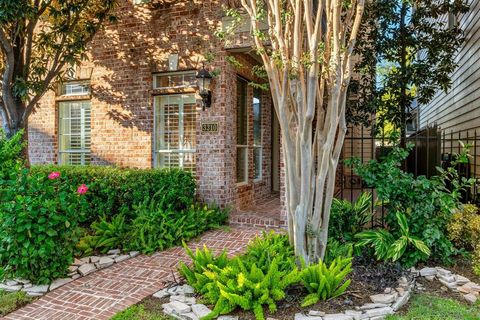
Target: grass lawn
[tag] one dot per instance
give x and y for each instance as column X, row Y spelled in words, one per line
column 428, row 307
column 11, row 301
column 139, row 312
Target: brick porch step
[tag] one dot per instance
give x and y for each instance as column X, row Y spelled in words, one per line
column 104, row 293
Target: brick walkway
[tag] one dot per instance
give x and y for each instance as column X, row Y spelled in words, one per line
column 104, row 293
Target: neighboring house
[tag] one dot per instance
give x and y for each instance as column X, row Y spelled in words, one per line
column 459, row 108
column 457, row 112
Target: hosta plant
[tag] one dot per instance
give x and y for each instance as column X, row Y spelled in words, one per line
column 324, row 282
column 387, row 247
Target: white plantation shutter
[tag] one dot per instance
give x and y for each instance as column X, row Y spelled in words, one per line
column 175, row 131
column 75, row 132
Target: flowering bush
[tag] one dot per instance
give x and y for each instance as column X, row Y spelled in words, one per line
column 39, row 221
column 39, row 217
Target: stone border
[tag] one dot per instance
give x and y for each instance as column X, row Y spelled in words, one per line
column 454, row 282
column 183, row 304
column 80, row 268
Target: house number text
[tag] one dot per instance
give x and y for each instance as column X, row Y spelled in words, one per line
column 210, row 127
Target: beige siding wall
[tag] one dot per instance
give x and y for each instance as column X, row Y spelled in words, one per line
column 459, row 109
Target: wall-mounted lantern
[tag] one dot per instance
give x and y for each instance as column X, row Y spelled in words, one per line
column 204, row 79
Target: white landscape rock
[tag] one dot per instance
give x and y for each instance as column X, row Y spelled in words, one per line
column 161, row 294
column 379, row 312
column 367, row 306
column 428, row 272
column 113, row 251
column 176, row 307
column 301, row 316
column 43, row 288
column 86, row 268
column 58, row 283
column 227, row 318
column 121, row 258
column 472, row 298
column 183, row 298
column 12, row 288
column 357, row 315
column 461, row 280
column 337, row 316
column 401, row 301
column 104, row 262
column 200, row 310
column 133, row 253
column 316, row 313
column 189, row 316
column 384, row 298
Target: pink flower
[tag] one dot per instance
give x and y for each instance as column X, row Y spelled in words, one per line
column 54, row 175
column 82, row 189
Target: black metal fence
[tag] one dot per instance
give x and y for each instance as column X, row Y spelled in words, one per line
column 432, row 148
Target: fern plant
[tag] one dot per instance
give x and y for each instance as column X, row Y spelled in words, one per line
column 108, row 234
column 324, row 282
column 263, row 249
column 203, row 260
column 386, row 247
column 248, row 287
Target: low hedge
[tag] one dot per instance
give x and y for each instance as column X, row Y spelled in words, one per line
column 113, row 191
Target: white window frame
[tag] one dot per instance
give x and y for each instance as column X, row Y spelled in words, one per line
column 84, row 151
column 243, row 147
column 156, row 149
column 255, row 146
column 174, row 73
column 64, row 92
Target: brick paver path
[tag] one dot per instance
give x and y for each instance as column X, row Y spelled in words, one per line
column 104, row 293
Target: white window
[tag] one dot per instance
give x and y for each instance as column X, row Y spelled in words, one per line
column 74, row 132
column 175, row 80
column 257, row 136
column 175, row 131
column 75, row 88
column 242, row 132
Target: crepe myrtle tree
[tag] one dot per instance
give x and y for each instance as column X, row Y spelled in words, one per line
column 307, row 53
column 39, row 41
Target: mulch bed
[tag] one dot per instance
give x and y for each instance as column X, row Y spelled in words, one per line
column 368, row 277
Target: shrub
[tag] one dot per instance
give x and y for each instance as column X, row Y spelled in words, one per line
column 10, row 158
column 39, row 220
column 115, row 190
column 387, row 247
column 324, row 282
column 464, row 231
column 428, row 203
column 348, row 218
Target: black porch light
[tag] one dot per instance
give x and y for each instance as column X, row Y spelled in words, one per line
column 204, row 79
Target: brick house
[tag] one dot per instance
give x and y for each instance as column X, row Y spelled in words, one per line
column 135, row 103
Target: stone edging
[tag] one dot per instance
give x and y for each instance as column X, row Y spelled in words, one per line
column 183, row 304
column 80, row 268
